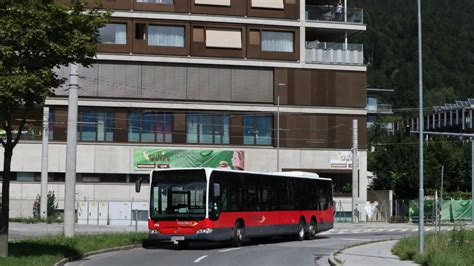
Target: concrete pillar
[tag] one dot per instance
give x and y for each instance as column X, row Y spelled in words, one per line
column 302, row 32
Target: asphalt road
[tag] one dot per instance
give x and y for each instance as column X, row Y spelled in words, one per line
column 276, row 251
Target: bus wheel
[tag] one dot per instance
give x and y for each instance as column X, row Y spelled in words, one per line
column 183, row 244
column 300, row 232
column 312, row 230
column 238, row 234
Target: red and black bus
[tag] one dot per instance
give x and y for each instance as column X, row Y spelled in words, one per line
column 204, row 204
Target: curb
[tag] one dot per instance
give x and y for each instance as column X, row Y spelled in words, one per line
column 333, row 261
column 70, row 259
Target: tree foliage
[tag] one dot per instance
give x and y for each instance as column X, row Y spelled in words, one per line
column 391, row 47
column 394, row 160
column 36, row 36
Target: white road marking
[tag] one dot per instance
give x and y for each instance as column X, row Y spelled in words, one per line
column 200, row 258
column 229, row 249
column 414, row 230
column 403, row 230
column 427, row 229
column 350, row 239
column 391, row 230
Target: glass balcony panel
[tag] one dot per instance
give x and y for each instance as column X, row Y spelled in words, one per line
column 334, row 53
column 333, row 14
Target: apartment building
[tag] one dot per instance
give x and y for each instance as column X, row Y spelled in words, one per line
column 189, row 83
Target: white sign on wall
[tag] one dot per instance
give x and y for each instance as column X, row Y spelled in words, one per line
column 342, row 159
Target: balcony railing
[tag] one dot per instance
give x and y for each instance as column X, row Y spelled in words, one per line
column 379, row 108
column 384, row 108
column 331, row 13
column 334, row 53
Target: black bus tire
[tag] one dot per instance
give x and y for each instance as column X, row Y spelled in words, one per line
column 300, row 233
column 183, row 244
column 238, row 234
column 312, row 230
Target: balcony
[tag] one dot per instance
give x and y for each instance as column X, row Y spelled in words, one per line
column 379, row 109
column 334, row 14
column 334, row 53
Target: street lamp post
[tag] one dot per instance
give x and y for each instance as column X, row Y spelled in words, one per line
column 278, row 124
column 421, row 218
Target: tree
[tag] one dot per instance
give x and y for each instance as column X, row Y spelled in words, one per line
column 36, row 36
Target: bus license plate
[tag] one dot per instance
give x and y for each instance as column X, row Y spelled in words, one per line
column 177, row 238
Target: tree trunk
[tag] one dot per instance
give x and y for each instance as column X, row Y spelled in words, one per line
column 4, row 216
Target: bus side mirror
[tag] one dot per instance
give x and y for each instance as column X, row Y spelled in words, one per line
column 217, row 190
column 138, row 184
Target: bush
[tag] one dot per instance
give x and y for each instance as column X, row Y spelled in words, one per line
column 446, row 248
column 52, row 207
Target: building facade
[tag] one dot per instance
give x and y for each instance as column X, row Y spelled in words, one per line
column 181, row 83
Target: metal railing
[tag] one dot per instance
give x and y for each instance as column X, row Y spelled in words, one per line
column 384, row 108
column 334, row 53
column 332, row 13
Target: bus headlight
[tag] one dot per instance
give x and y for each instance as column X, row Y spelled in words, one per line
column 204, row 231
column 154, row 232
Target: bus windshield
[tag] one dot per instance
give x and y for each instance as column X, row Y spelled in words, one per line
column 179, row 194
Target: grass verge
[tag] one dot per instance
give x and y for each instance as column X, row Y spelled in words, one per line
column 447, row 248
column 49, row 250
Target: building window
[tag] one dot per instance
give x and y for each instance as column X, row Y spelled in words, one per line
column 218, row 38
column 372, row 104
column 258, row 130
column 166, row 36
column 114, row 33
column 150, row 127
column 207, row 128
column 51, row 118
column 213, row 2
column 273, row 4
column 95, row 126
column 277, row 41
column 168, row 2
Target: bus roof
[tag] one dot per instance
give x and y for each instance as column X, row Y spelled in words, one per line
column 295, row 174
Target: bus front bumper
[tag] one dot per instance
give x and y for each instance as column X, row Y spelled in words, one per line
column 217, row 234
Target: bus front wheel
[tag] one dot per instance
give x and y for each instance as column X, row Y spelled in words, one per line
column 300, row 232
column 238, row 234
column 183, row 244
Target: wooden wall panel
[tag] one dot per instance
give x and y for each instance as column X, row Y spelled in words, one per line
column 322, row 87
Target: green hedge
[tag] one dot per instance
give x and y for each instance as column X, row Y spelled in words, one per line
column 49, row 250
column 442, row 249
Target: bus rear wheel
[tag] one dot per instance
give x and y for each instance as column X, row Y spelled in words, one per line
column 238, row 234
column 312, row 230
column 300, row 233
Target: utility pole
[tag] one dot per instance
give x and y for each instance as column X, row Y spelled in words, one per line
column 71, row 152
column 44, row 165
column 472, row 181
column 441, row 198
column 421, row 219
column 278, row 130
column 355, row 170
column 278, row 125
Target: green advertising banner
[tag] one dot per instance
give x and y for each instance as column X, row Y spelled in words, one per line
column 451, row 210
column 150, row 158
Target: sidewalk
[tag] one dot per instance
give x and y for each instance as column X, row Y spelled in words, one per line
column 372, row 254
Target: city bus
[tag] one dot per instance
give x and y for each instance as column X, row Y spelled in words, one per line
column 205, row 204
